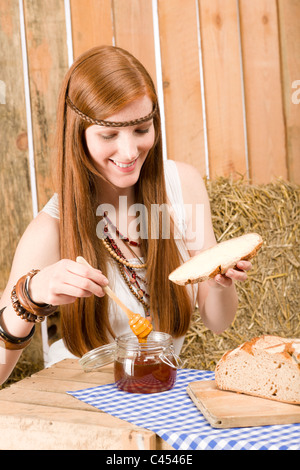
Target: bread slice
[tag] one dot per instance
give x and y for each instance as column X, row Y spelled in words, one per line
column 267, row 366
column 217, row 259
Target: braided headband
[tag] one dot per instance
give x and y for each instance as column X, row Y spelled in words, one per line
column 111, row 123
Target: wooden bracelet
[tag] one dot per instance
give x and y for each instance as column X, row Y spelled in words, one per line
column 12, row 342
column 37, row 309
column 23, row 305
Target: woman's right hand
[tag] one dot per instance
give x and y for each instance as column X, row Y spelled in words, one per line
column 65, row 281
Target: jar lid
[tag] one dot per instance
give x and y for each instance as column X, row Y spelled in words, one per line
column 98, row 357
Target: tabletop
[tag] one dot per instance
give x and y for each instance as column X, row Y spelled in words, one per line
column 37, row 413
column 63, row 407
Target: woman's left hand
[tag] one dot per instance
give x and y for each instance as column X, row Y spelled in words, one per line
column 234, row 274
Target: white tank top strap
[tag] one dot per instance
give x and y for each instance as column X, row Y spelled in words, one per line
column 52, row 207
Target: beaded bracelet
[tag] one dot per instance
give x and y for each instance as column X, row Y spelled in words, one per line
column 24, row 306
column 12, row 342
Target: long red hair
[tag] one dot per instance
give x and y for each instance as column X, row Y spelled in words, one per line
column 100, row 83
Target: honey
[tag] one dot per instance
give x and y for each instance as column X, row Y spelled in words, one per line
column 141, row 327
column 144, row 375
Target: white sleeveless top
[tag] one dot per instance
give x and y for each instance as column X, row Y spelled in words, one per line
column 119, row 321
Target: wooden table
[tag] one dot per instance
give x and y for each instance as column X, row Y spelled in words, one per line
column 37, row 413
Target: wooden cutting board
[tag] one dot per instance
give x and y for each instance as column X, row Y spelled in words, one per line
column 224, row 409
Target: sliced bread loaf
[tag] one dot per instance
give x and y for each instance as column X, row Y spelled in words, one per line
column 267, row 366
column 217, row 259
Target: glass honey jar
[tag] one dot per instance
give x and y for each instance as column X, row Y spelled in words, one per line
column 149, row 367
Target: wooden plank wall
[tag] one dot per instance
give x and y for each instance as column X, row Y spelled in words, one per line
column 224, row 69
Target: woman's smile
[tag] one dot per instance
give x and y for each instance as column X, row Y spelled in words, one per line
column 126, row 167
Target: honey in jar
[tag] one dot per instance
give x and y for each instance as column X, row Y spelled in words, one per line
column 149, row 367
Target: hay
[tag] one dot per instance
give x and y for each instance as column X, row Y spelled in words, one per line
column 269, row 299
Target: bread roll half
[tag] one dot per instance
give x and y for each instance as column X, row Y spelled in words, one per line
column 217, row 259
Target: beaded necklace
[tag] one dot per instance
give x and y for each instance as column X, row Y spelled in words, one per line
column 127, row 269
column 125, row 239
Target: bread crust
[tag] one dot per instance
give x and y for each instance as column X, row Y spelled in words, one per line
column 266, row 366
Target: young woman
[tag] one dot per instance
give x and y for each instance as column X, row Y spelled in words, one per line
column 111, row 184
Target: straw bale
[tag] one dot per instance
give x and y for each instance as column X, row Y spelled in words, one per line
column 269, row 299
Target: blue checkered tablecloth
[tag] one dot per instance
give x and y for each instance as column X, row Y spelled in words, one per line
column 174, row 417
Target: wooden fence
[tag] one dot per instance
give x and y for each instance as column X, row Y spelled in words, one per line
column 227, row 74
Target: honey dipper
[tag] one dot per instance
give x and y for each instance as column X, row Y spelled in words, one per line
column 140, row 326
